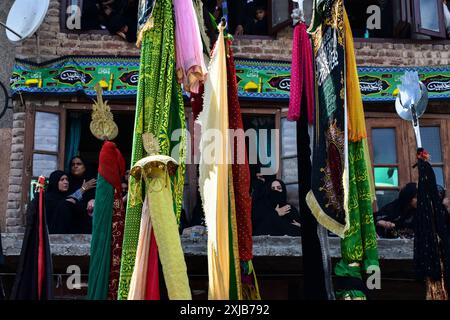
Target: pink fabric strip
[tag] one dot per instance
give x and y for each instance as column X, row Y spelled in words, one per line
column 302, row 81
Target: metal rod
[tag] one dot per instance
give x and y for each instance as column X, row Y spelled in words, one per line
column 8, row 28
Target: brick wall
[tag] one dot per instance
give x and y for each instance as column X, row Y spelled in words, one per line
column 367, row 53
column 14, row 211
column 54, row 43
column 6, row 64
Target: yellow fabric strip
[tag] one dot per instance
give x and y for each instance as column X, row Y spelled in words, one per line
column 356, row 121
column 369, row 169
column 165, row 227
column 213, row 172
column 138, row 283
column 323, row 218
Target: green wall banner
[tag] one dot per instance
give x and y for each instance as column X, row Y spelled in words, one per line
column 257, row 79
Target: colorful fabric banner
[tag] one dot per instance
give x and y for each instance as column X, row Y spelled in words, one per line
column 302, row 77
column 103, row 265
column 159, row 112
column 359, row 246
column 241, row 187
column 257, row 79
column 159, row 217
column 214, row 175
column 328, row 198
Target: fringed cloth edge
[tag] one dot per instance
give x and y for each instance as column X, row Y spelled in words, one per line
column 323, row 218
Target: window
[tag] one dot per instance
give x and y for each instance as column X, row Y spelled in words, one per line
column 435, row 139
column 431, row 141
column 399, row 19
column 386, row 134
column 385, row 164
column 257, row 17
column 392, row 144
column 111, row 16
column 46, row 143
column 429, row 18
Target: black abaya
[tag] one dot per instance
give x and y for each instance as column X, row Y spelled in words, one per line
column 26, row 282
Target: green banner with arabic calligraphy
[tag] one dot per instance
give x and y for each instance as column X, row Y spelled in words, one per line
column 257, row 79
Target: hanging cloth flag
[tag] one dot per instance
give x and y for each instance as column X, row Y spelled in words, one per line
column 159, row 114
column 34, row 276
column 302, row 76
column 191, row 69
column 214, row 173
column 158, row 213
column 241, row 185
column 145, row 285
column 328, row 198
column 431, row 234
column 103, row 265
column 359, row 246
column 316, row 257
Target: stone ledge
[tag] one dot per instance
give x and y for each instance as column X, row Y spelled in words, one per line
column 263, row 246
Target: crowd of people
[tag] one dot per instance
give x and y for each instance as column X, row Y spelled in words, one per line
column 70, row 198
column 70, row 201
column 244, row 16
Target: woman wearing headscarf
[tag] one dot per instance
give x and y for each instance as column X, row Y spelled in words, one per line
column 396, row 218
column 274, row 215
column 56, row 204
column 62, row 207
column 82, row 184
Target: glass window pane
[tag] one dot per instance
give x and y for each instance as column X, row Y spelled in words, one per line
column 439, row 176
column 44, row 164
column 384, row 146
column 429, row 16
column 431, row 141
column 288, row 138
column 46, row 131
column 386, row 177
column 385, row 196
column 280, row 11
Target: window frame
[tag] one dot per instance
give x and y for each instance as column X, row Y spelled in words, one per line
column 444, row 125
column 417, row 26
column 388, row 121
column 409, row 18
column 273, row 29
column 63, row 16
column 29, row 151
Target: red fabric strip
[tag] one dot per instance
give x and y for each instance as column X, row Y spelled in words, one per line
column 41, row 238
column 118, row 225
column 152, row 292
column 240, row 169
column 111, row 164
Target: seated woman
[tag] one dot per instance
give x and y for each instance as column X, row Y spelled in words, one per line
column 82, row 184
column 396, row 219
column 63, row 214
column 273, row 215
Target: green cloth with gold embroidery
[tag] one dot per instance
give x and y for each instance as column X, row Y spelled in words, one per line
column 159, row 111
column 360, row 242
